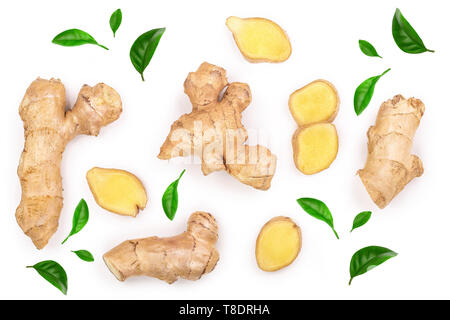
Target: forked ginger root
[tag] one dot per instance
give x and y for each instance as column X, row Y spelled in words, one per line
column 188, row 255
column 315, row 142
column 118, row 191
column 48, row 128
column 214, row 132
column 259, row 39
column 278, row 244
column 390, row 165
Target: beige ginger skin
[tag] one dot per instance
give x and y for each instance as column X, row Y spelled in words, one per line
column 390, row 166
column 48, row 128
column 214, row 131
column 188, row 255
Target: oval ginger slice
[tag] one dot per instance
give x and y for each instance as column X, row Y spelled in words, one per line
column 315, row 147
column 278, row 244
column 118, row 191
column 259, row 39
column 315, row 102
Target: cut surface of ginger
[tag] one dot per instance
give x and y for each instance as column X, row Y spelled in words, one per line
column 117, row 191
column 278, row 244
column 315, row 102
column 315, row 147
column 259, row 39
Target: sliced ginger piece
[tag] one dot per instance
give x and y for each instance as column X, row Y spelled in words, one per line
column 315, row 102
column 315, row 147
column 118, row 191
column 278, row 244
column 259, row 39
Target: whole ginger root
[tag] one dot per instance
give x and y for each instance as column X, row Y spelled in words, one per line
column 48, row 128
column 214, row 132
column 188, row 255
column 390, row 165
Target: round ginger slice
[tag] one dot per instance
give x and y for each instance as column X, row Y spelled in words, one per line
column 259, row 39
column 278, row 244
column 315, row 102
column 315, row 147
column 117, row 191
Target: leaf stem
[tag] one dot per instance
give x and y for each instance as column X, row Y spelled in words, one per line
column 142, row 76
column 335, row 233
column 66, row 239
column 430, row 50
column 102, row 46
column 350, row 282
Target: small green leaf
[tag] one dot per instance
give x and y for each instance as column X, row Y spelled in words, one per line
column 405, row 36
column 75, row 37
column 84, row 255
column 364, row 93
column 143, row 49
column 115, row 21
column 368, row 49
column 170, row 198
column 318, row 210
column 52, row 272
column 368, row 258
column 361, row 219
column 80, row 218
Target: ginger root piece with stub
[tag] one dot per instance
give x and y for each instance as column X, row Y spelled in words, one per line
column 214, row 132
column 117, row 191
column 188, row 255
column 260, row 39
column 278, row 244
column 390, row 166
column 315, row 143
column 48, row 128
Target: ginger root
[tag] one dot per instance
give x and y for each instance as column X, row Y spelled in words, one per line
column 390, row 165
column 188, row 255
column 48, row 128
column 118, row 191
column 259, row 39
column 315, row 142
column 213, row 130
column 278, row 244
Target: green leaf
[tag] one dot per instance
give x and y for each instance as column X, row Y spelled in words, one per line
column 84, row 255
column 318, row 210
column 361, row 219
column 405, row 36
column 52, row 272
column 115, row 21
column 368, row 258
column 364, row 93
column 143, row 49
column 75, row 37
column 80, row 218
column 170, row 198
column 368, row 49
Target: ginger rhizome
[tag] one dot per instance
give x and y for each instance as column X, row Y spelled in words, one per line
column 390, row 166
column 259, row 39
column 118, row 191
column 278, row 244
column 188, row 255
column 213, row 130
column 48, row 128
column 315, row 142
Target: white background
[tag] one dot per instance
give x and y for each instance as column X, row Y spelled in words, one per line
column 324, row 37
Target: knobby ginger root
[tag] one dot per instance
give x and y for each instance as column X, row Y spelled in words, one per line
column 390, row 165
column 118, row 191
column 259, row 39
column 278, row 244
column 188, row 255
column 213, row 130
column 315, row 142
column 48, row 128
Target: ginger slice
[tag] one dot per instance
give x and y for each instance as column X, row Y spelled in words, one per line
column 315, row 147
column 278, row 244
column 315, row 102
column 118, row 191
column 259, row 39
